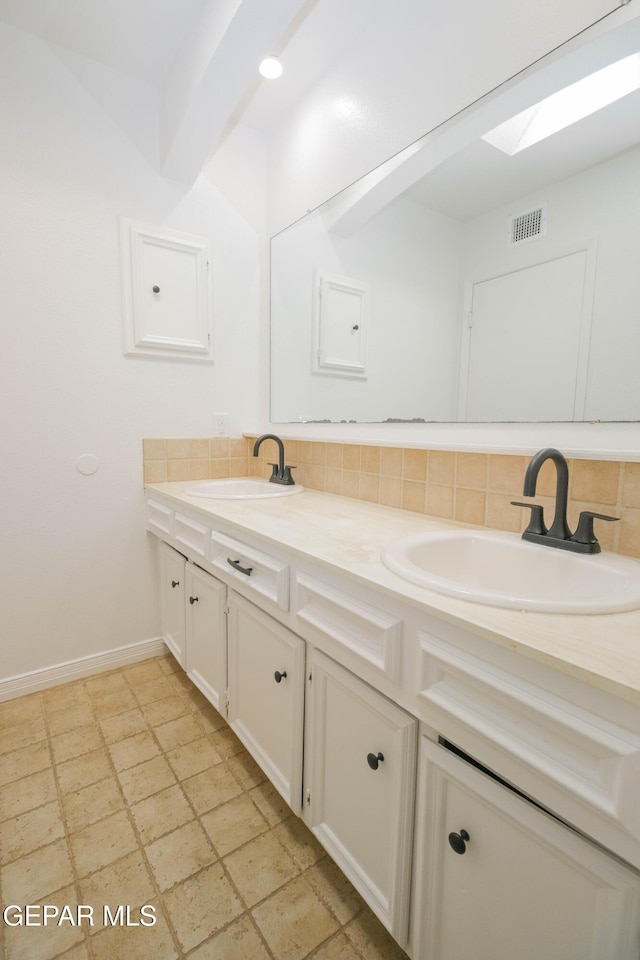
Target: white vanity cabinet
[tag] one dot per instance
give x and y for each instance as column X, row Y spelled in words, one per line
column 266, row 694
column 495, row 876
column 360, row 753
column 194, row 627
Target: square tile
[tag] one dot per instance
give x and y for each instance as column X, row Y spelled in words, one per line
column 194, row 757
column 157, row 689
column 135, row 943
column 308, row 922
column 101, row 843
column 145, row 779
column 177, row 732
column 113, row 703
column 18, row 796
column 259, row 868
column 126, row 881
column 161, row 711
column 68, row 746
column 179, row 854
column 30, row 830
column 202, row 905
column 23, row 762
column 42, row 943
column 270, row 804
column 335, row 891
column 371, row 939
column 78, row 773
column 17, row 734
column 38, row 874
column 127, row 753
column 92, row 803
column 61, row 721
column 123, row 725
column 161, row 813
column 211, row 788
column 233, row 824
column 299, row 842
column 240, row 941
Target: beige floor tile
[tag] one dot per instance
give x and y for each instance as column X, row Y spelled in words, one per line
column 334, row 890
column 157, row 689
column 21, row 795
column 38, row 874
column 65, row 697
column 371, row 939
column 211, row 788
column 101, row 843
column 161, row 711
column 21, row 710
column 15, row 735
column 61, row 721
column 299, row 842
column 44, row 942
column 161, row 813
column 179, row 854
column 27, row 760
column 105, row 683
column 209, row 719
column 110, row 704
column 145, row 779
column 31, row 830
column 192, row 758
column 75, row 774
column 339, row 948
column 233, row 824
column 270, row 804
column 92, row 803
column 169, row 664
column 246, row 771
column 135, row 943
column 177, row 732
column 259, row 868
column 123, row 725
column 127, row 881
column 202, row 905
column 127, row 753
column 143, row 672
column 226, row 743
column 293, row 921
column 240, row 941
column 75, row 743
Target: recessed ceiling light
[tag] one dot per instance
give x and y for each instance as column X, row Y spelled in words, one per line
column 271, row 68
column 567, row 106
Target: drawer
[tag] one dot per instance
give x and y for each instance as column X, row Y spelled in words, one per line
column 159, row 518
column 579, row 762
column 191, row 535
column 251, row 570
column 374, row 635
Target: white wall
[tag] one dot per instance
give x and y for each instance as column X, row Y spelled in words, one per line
column 77, row 576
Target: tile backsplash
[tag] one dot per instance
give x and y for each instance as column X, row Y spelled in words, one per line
column 468, row 487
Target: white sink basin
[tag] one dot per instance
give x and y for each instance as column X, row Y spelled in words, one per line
column 502, row 570
column 241, row 488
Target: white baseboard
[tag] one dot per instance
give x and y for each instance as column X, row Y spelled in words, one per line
column 82, row 667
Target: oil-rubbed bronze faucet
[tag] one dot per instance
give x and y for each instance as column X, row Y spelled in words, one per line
column 280, row 473
column 558, row 535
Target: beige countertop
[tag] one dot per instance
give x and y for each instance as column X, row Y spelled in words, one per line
column 348, row 536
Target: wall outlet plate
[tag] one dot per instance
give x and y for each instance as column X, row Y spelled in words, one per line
column 221, row 424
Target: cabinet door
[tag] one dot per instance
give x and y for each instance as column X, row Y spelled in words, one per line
column 361, row 784
column 172, row 593
column 520, row 884
column 266, row 694
column 206, row 633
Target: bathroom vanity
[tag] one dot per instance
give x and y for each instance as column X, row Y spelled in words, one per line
column 474, row 771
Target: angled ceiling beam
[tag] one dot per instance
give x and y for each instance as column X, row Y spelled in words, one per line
column 217, row 63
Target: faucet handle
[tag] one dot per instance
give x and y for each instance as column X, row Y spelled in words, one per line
column 286, row 477
column 274, row 470
column 584, row 531
column 536, row 523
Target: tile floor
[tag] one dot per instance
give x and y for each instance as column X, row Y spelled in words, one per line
column 129, row 788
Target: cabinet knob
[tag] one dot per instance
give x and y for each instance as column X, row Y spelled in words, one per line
column 193, row 600
column 279, row 676
column 373, row 759
column 458, row 841
column 155, row 288
column 175, row 583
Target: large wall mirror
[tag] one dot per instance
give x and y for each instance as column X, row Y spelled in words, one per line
column 490, row 272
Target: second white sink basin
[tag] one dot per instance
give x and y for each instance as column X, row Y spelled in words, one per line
column 502, row 570
column 241, row 488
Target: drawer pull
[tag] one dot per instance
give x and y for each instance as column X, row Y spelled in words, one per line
column 237, row 565
column 458, row 841
column 175, row 583
column 373, row 759
column 279, row 676
column 193, row 600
